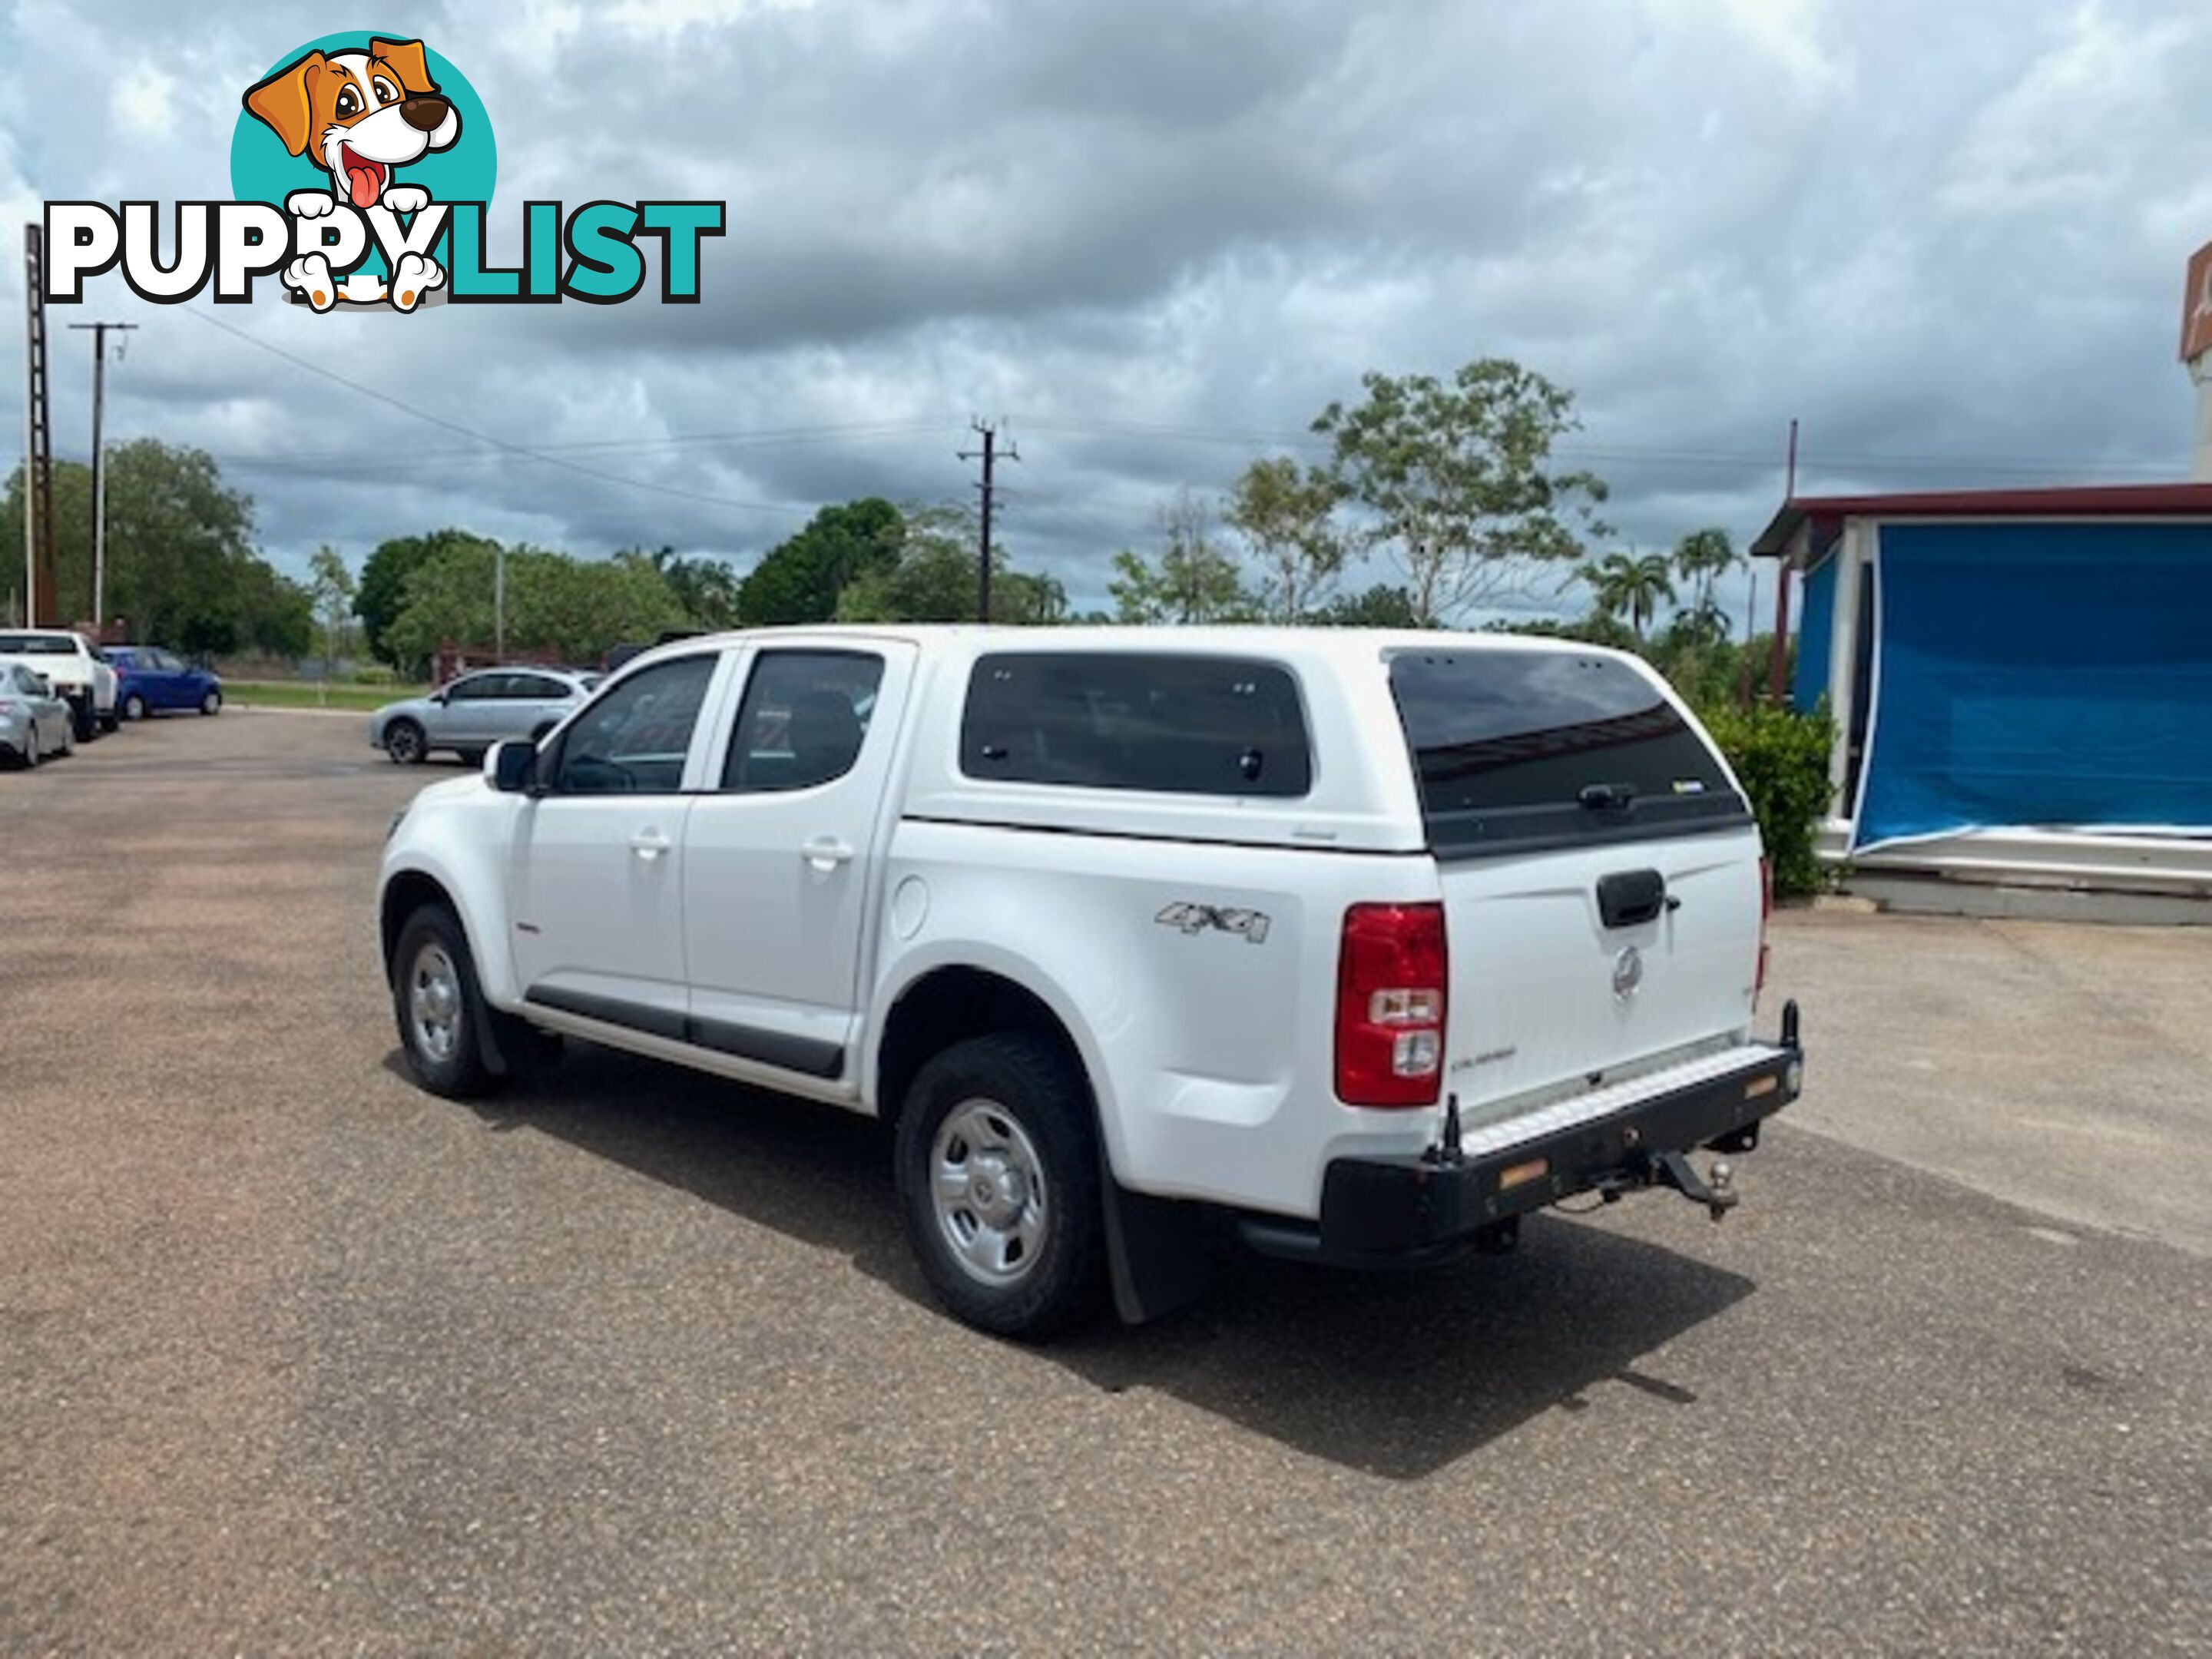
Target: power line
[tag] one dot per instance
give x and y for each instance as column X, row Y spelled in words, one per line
column 486, row 438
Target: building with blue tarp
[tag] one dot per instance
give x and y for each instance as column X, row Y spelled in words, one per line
column 2022, row 680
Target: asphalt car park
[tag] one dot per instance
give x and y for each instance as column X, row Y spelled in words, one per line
column 294, row 1357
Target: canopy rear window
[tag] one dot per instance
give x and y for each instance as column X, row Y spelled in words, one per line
column 1183, row 724
column 1520, row 749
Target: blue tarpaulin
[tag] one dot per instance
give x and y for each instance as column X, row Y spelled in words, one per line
column 1814, row 633
column 2039, row 674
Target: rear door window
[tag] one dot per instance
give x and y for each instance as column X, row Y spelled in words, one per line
column 1515, row 750
column 1180, row 724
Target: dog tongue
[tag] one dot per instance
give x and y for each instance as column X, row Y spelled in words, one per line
column 364, row 187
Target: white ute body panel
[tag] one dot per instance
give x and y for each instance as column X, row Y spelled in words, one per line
column 788, row 926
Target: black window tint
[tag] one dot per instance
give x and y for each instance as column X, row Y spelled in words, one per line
column 633, row 740
column 804, row 715
column 1516, row 746
column 1184, row 725
column 473, row 688
column 39, row 645
column 535, row 687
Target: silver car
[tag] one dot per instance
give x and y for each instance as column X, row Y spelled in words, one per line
column 471, row 712
column 33, row 721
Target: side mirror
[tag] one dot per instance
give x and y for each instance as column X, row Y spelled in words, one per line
column 511, row 767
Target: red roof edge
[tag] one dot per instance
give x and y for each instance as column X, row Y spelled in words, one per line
column 2068, row 501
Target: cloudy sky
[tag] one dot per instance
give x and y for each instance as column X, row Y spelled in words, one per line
column 1155, row 237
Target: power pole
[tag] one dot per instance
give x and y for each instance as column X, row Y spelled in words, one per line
column 989, row 454
column 1776, row 662
column 38, row 446
column 99, row 333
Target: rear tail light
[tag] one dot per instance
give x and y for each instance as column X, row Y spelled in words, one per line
column 1766, row 910
column 1390, row 980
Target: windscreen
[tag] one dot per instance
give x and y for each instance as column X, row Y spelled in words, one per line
column 1515, row 750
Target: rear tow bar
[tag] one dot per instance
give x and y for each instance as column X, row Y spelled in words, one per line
column 1716, row 1191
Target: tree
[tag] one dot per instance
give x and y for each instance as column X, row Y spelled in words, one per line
column 556, row 605
column 1195, row 580
column 330, row 592
column 1701, row 559
column 1634, row 588
column 383, row 590
column 1456, row 479
column 1287, row 513
column 800, row 581
column 1380, row 606
column 181, row 567
column 931, row 578
column 706, row 589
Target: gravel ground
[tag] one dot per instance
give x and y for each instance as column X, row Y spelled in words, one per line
column 294, row 1358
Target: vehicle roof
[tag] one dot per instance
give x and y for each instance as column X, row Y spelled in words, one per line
column 1333, row 645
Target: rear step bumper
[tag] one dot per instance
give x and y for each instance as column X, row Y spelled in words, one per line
column 1388, row 1212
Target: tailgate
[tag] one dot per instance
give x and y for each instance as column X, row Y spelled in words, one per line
column 1547, row 998
column 1600, row 869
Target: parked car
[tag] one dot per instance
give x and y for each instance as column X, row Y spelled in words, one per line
column 75, row 670
column 468, row 714
column 34, row 722
column 1358, row 945
column 149, row 680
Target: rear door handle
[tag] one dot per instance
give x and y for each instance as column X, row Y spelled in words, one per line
column 827, row 851
column 649, row 844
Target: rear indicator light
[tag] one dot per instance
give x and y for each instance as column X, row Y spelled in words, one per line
column 1390, row 1003
column 1766, row 910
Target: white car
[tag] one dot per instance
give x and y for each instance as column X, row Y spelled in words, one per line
column 1362, row 944
column 34, row 722
column 76, row 670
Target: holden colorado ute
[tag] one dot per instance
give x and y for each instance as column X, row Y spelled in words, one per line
column 1357, row 945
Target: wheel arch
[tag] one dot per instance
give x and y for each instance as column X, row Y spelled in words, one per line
column 967, row 994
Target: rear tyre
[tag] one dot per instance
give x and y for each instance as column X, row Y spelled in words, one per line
column 31, row 747
column 109, row 723
column 211, row 703
column 403, row 741
column 998, row 1175
column 134, row 707
column 437, row 1003
column 544, row 728
column 82, row 725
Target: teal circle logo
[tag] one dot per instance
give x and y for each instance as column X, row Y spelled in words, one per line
column 292, row 123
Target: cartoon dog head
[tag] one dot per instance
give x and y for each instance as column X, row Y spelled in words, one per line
column 361, row 114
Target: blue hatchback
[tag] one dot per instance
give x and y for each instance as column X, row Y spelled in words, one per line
column 147, row 680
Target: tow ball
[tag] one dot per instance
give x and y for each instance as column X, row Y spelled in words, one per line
column 1716, row 1193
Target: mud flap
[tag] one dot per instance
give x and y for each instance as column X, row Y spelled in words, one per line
column 1159, row 1252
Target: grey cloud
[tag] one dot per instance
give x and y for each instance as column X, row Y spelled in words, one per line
column 1160, row 236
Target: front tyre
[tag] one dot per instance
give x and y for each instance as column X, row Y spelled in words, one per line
column 997, row 1175
column 405, row 743
column 436, row 1001
column 212, row 702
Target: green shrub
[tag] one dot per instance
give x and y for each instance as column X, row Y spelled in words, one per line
column 375, row 673
column 1781, row 756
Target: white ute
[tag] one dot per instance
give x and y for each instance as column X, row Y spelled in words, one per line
column 1356, row 945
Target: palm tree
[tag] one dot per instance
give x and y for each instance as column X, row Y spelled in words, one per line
column 1634, row 588
column 1701, row 559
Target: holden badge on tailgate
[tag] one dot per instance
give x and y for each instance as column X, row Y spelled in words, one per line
column 1627, row 972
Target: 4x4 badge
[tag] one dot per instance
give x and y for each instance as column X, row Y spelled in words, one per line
column 1193, row 918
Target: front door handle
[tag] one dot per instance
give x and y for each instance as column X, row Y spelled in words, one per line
column 827, row 851
column 649, row 844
